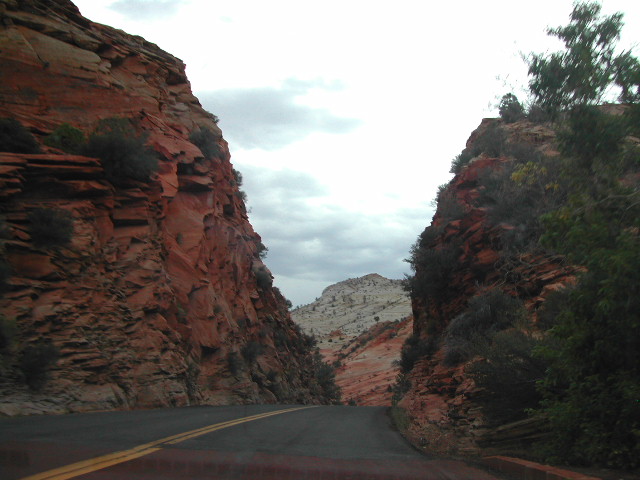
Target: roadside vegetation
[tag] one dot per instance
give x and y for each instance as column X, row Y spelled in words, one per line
column 579, row 366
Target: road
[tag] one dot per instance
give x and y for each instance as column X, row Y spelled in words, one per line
column 265, row 442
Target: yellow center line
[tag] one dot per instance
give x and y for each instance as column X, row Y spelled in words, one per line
column 104, row 461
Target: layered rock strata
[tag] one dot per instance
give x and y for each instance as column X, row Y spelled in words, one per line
column 441, row 400
column 161, row 297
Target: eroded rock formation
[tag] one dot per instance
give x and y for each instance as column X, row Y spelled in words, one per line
column 161, row 297
column 442, row 398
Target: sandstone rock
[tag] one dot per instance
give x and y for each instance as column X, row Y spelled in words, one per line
column 145, row 301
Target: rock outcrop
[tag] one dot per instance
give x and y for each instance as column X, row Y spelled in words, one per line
column 442, row 398
column 367, row 366
column 348, row 308
column 161, row 297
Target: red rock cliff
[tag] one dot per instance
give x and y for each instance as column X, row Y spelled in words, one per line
column 441, row 400
column 161, row 297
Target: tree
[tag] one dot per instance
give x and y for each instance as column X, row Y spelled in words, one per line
column 586, row 71
column 510, row 108
column 591, row 390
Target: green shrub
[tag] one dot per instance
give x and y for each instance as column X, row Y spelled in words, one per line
column 233, row 363
column 121, row 151
column 508, row 375
column 35, row 362
column 433, row 269
column 460, row 161
column 486, row 314
column 251, row 350
column 510, row 108
column 326, row 378
column 50, row 227
column 415, row 348
column 5, row 272
column 263, row 278
column 8, row 333
column 66, row 138
column 15, row 138
column 207, row 142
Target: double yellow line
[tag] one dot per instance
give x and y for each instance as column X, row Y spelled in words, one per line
column 98, row 463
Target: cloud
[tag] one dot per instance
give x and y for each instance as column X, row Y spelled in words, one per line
column 315, row 243
column 270, row 118
column 146, row 9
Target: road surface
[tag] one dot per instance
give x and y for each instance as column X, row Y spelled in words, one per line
column 265, row 442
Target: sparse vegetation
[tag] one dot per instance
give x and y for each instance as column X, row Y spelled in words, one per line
column 486, row 314
column 66, row 138
column 207, row 142
column 510, row 108
column 50, row 227
column 35, row 362
column 121, row 151
column 15, row 138
column 251, row 351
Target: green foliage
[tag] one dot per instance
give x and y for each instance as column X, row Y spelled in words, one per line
column 486, row 314
column 121, row 151
column 35, row 361
column 433, row 268
column 591, row 391
column 325, row 375
column 510, row 108
column 66, row 138
column 207, row 142
column 460, row 161
column 263, row 278
column 584, row 73
column 415, row 348
column 50, row 227
column 251, row 351
column 8, row 333
column 233, row 363
column 15, row 138
column 508, row 375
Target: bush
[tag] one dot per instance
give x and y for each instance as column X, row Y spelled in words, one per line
column 121, row 151
column 8, row 333
column 413, row 349
column 251, row 350
column 35, row 361
column 510, row 108
column 460, row 161
column 233, row 363
column 66, row 138
column 50, row 227
column 263, row 278
column 433, row 269
column 15, row 138
column 207, row 142
column 486, row 314
column 508, row 375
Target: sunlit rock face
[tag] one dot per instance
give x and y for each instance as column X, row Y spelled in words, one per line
column 161, row 297
column 441, row 399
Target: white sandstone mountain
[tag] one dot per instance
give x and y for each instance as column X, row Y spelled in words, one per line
column 352, row 306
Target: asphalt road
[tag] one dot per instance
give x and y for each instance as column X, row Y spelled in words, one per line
column 236, row 442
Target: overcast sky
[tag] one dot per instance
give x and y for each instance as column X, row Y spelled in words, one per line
column 343, row 116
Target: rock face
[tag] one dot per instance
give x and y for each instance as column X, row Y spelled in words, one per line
column 367, row 366
column 348, row 308
column 441, row 399
column 361, row 324
column 161, row 297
